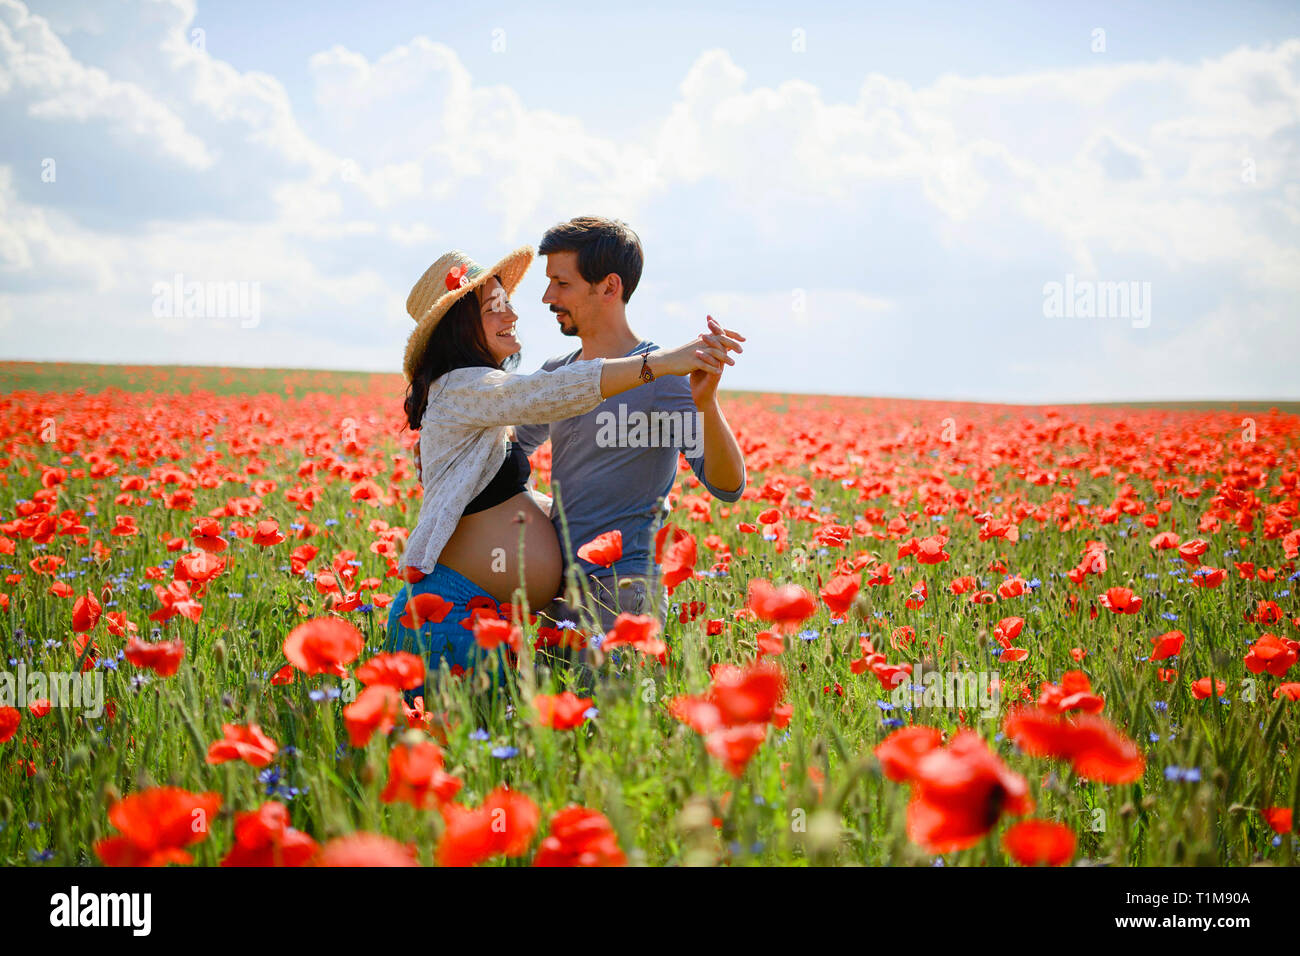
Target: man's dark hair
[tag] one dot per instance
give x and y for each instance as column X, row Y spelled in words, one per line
column 457, row 342
column 603, row 246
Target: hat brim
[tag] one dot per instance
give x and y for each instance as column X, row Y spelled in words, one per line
column 511, row 269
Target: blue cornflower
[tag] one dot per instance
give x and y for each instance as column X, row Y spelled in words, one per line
column 322, row 693
column 1169, row 616
column 1186, row 774
column 884, row 705
column 43, row 856
column 480, row 734
column 891, row 722
column 505, row 753
column 809, row 635
column 591, row 713
column 1154, row 737
column 1160, row 705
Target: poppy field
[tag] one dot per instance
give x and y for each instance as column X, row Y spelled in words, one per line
column 930, row 633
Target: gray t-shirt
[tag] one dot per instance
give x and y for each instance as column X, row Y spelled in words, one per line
column 613, row 467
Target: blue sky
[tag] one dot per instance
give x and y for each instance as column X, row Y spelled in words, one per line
column 879, row 196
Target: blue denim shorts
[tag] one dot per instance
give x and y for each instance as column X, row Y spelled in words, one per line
column 450, row 640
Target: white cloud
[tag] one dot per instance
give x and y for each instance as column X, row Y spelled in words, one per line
column 920, row 222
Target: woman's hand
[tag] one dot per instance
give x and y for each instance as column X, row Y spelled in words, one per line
column 704, row 353
column 704, row 385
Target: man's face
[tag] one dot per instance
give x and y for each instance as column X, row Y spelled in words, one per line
column 571, row 297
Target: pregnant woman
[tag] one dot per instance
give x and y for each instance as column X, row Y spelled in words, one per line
column 463, row 396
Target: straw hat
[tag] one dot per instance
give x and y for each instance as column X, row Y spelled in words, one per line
column 453, row 276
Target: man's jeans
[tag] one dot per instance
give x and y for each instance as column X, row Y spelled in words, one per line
column 632, row 595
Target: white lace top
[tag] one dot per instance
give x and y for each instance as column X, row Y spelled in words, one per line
column 463, row 438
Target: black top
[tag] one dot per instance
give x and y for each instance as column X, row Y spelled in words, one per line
column 511, row 479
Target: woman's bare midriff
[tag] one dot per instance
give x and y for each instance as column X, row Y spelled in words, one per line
column 485, row 549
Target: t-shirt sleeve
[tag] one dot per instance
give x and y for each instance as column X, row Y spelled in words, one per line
column 532, row 437
column 675, row 396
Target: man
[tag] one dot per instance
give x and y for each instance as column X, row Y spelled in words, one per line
column 613, row 468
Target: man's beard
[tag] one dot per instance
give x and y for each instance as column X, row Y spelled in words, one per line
column 568, row 328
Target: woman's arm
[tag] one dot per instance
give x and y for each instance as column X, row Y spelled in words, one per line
column 485, row 397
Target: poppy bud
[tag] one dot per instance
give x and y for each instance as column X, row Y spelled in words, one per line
column 110, row 794
column 368, row 773
column 828, row 660
column 78, row 758
column 1149, row 802
column 1127, row 811
column 823, row 833
column 219, row 650
column 695, row 816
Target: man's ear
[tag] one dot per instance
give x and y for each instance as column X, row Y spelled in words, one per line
column 612, row 286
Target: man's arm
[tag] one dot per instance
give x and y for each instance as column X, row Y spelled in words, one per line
column 724, row 465
column 706, row 440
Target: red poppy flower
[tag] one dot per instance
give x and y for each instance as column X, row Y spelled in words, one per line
column 736, row 746
column 416, row 776
column 85, row 613
column 377, row 708
column 1289, row 690
column 604, row 549
column 1271, row 654
column 1095, row 748
column 636, row 630
column 1121, row 601
column 323, row 646
column 491, row 633
column 503, row 826
column 959, row 792
column 161, row 657
column 176, row 599
column 10, row 718
column 366, row 849
column 268, row 534
column 749, row 694
column 1201, row 688
column 580, row 837
column 1074, row 693
column 1169, row 644
column 154, row 825
column 679, row 561
column 199, row 567
column 562, row 711
column 786, row 607
column 264, row 838
column 247, row 743
column 423, row 608
column 456, row 277
column 1008, row 629
column 401, row 669
column 899, row 752
column 1279, row 819
column 839, row 593
column 207, row 535
column 1040, row 843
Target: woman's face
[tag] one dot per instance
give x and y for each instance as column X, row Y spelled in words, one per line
column 498, row 319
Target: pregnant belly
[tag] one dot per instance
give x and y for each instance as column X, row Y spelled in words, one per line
column 485, row 548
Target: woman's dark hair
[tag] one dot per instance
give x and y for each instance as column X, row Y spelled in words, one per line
column 457, row 342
